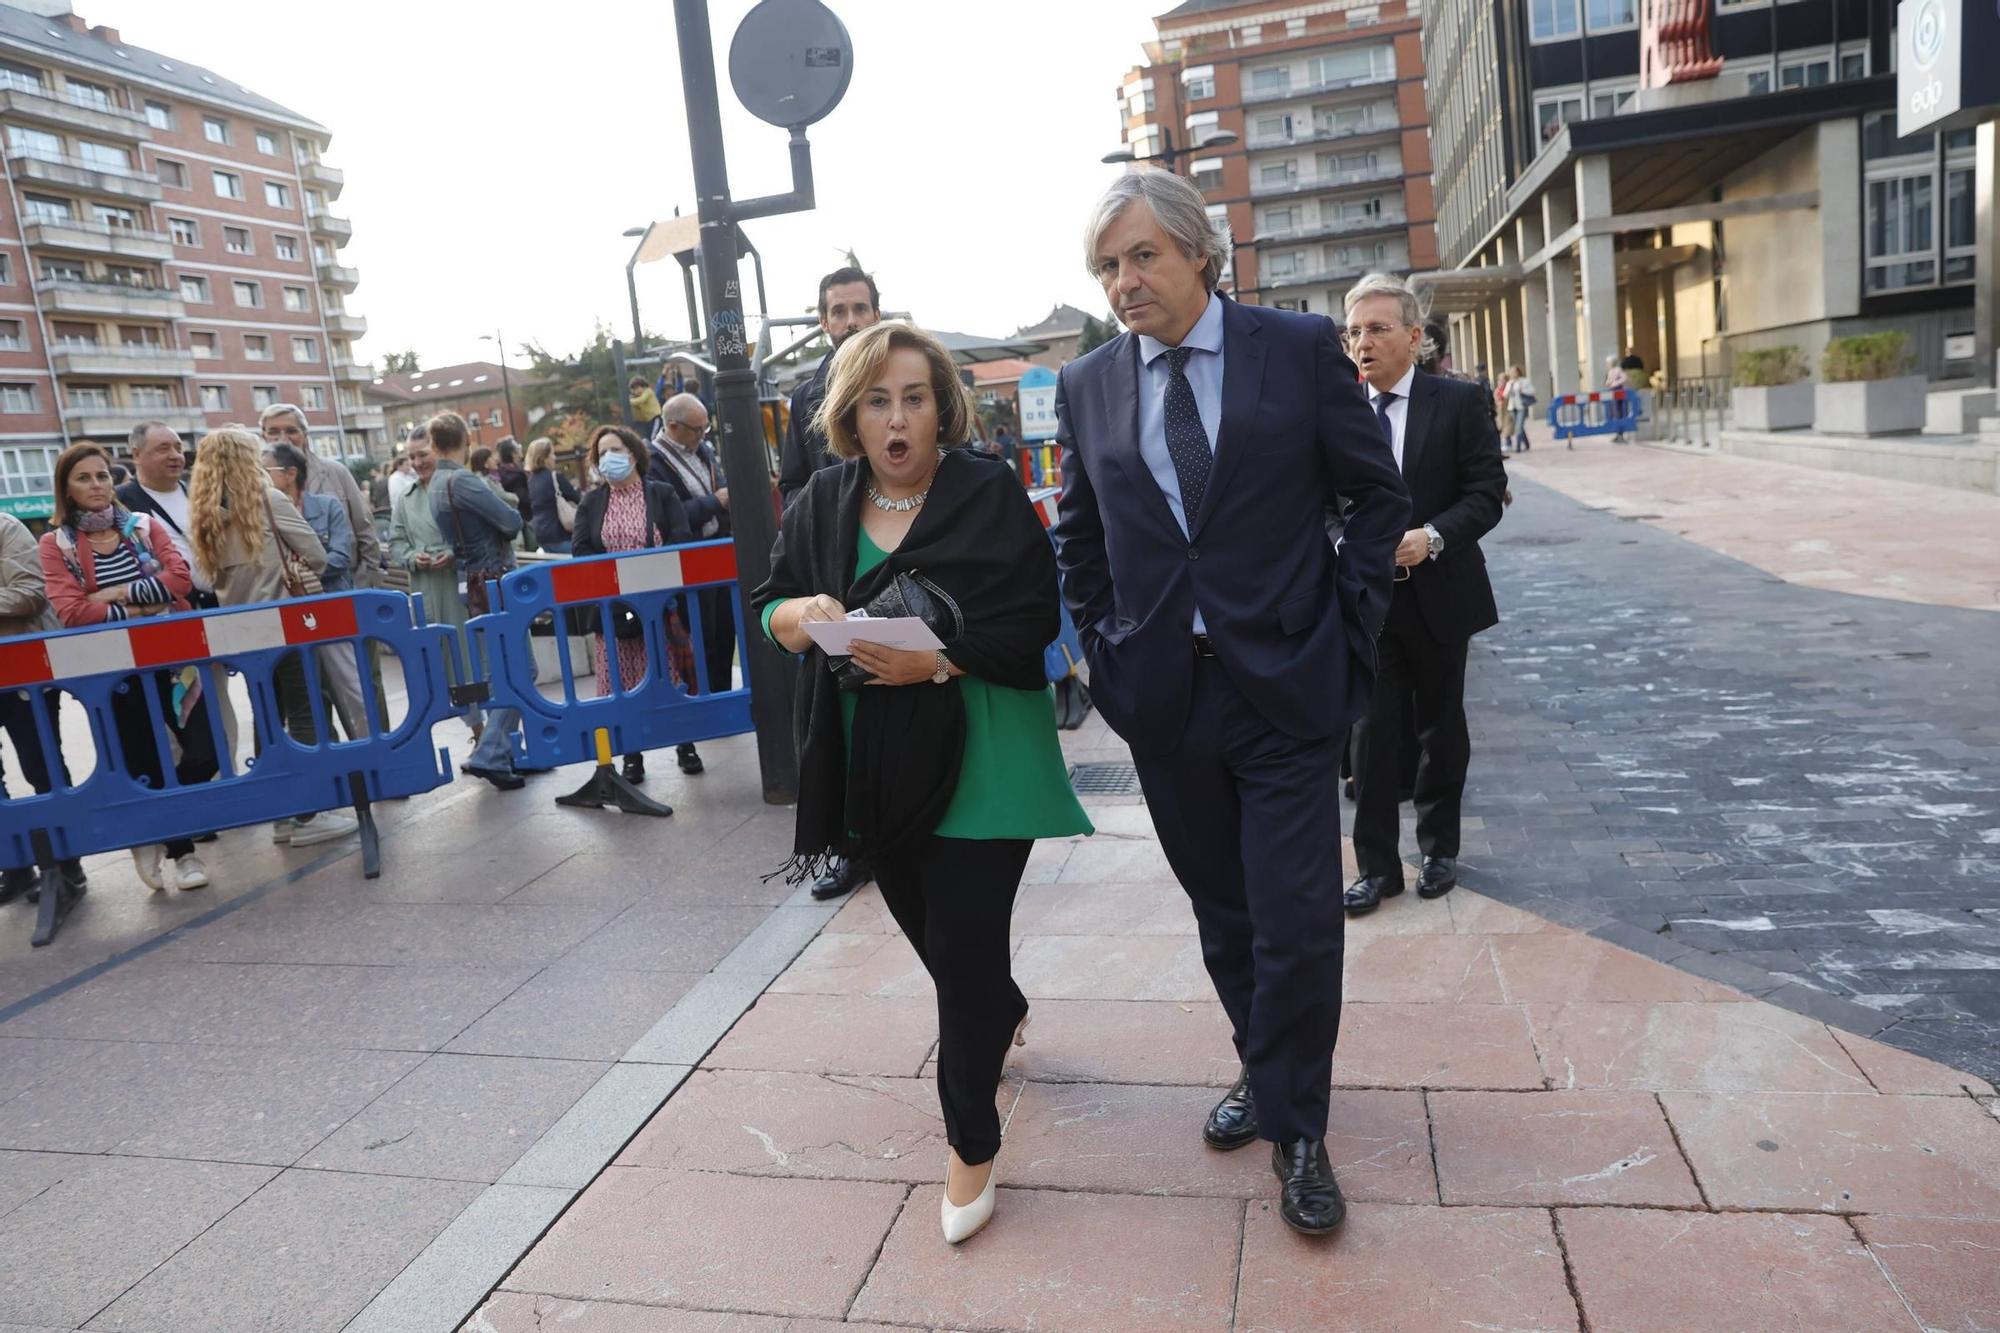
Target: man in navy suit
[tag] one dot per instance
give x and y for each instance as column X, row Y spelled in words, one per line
column 1228, row 643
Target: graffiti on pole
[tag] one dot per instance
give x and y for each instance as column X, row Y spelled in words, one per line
column 725, row 331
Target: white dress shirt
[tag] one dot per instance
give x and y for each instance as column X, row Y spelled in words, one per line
column 1399, row 411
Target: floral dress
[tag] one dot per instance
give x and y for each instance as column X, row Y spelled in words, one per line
column 625, row 529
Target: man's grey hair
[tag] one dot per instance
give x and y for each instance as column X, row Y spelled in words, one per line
column 1182, row 215
column 676, row 407
column 137, row 440
column 1409, row 305
column 276, row 410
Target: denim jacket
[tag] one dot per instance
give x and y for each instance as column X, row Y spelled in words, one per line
column 478, row 521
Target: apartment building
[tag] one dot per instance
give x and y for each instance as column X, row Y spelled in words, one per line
column 1305, row 127
column 483, row 392
column 168, row 249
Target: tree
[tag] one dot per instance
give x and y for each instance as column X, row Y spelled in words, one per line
column 1095, row 332
column 401, row 363
column 578, row 392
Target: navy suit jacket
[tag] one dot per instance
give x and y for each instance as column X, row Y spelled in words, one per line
column 1292, row 622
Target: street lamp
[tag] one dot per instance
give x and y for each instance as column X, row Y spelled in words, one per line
column 1168, row 153
column 506, row 385
column 632, row 283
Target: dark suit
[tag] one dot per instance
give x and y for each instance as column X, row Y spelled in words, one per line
column 718, row 614
column 1238, row 752
column 1451, row 461
column 804, row 450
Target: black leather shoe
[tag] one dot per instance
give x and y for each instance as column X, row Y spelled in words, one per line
column 1438, row 877
column 1233, row 1122
column 16, row 883
column 1364, row 895
column 846, row 876
column 689, row 759
column 635, row 768
column 1308, row 1196
column 499, row 777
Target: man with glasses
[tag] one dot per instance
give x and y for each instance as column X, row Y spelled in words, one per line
column 1441, row 431
column 685, row 460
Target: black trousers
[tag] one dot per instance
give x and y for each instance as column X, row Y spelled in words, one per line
column 17, row 718
column 954, row 899
column 1419, row 679
column 198, row 761
column 1248, row 819
column 718, row 628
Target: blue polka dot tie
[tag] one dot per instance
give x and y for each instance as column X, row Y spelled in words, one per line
column 1187, row 440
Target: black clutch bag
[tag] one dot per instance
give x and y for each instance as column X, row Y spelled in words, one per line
column 910, row 594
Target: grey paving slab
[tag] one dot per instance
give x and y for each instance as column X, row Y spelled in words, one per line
column 590, row 1133
column 778, row 939
column 218, row 1103
column 667, row 936
column 464, row 1262
column 366, row 934
column 103, row 1223
column 1819, row 773
column 304, row 1255
column 704, row 1014
column 26, row 1061
column 576, row 1013
column 457, row 1117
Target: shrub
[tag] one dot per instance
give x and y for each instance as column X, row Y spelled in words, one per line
column 1865, row 356
column 1768, row 367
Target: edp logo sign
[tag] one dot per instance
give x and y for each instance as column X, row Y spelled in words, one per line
column 1938, row 79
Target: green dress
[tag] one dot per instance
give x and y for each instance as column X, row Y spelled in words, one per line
column 1013, row 782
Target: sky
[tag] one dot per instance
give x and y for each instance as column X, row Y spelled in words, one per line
column 495, row 155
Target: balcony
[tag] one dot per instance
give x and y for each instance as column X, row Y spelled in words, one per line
column 98, row 238
column 1330, row 180
column 1299, row 277
column 115, row 423
column 349, row 372
column 1329, row 135
column 329, row 179
column 361, row 418
column 122, row 362
column 340, row 276
column 69, row 296
column 65, row 111
column 353, row 326
column 1313, row 231
column 336, row 229
column 74, row 173
column 1252, row 96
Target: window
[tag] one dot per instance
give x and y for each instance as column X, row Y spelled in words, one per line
column 10, row 336
column 172, row 174
column 91, row 94
column 150, row 397
column 267, row 143
column 194, row 289
column 1610, row 15
column 35, row 143
column 1138, row 101
column 312, row 397
column 90, row 397
column 1271, row 129
column 109, row 216
column 1202, row 126
column 25, row 469
column 185, row 231
column 204, row 345
column 215, row 397
column 1352, row 65
column 1611, row 102
column 71, row 333
column 42, row 208
column 248, row 292
column 138, row 335
column 104, row 157
column 1277, row 175
column 1551, row 20
column 262, row 396
column 493, row 417
column 215, row 129
column 1270, row 82
column 1198, row 82
column 1206, row 173
column 228, row 184
column 285, row 247
column 55, row 270
column 19, row 398
column 1300, row 304
column 257, row 347
column 1805, row 73
column 276, row 195
column 126, row 276
column 322, row 252
column 1556, row 112
column 305, row 349
column 1919, row 218
column 1853, row 65
column 1760, row 82
column 236, row 240
column 22, row 79
column 297, row 299
column 159, row 115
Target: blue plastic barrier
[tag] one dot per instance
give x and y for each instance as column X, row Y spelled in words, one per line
column 1613, row 412
column 110, row 809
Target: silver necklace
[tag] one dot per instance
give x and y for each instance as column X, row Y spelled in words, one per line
column 908, row 502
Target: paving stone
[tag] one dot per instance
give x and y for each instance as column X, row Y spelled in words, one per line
column 1158, row 908
column 1435, row 1046
column 686, row 1238
column 667, row 937
column 1116, row 860
column 1703, row 1047
column 1110, row 967
column 458, row 1117
column 1647, row 1269
column 1130, row 1139
column 1944, row 1269
column 464, row 1261
column 1062, row 1263
column 1113, row 1041
column 1392, row 1268
column 1420, row 969
column 575, row 1014
column 520, row 1312
column 831, row 1034
column 1540, row 1148
column 1892, row 1070
column 280, row 930
column 863, row 912
column 1564, row 967
column 305, row 1253
column 1476, row 914
column 571, row 1152
column 881, row 965
column 1920, row 1156
column 26, row 1061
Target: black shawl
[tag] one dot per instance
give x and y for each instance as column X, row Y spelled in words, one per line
column 976, row 538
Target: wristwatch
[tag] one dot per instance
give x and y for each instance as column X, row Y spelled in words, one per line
column 1437, row 541
column 943, row 672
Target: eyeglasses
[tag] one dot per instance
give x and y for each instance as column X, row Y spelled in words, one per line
column 1355, row 332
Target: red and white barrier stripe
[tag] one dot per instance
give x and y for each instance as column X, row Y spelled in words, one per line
column 1045, row 508
column 143, row 644
column 1572, row 399
column 649, row 571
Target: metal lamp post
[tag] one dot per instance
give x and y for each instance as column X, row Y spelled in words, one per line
column 632, row 283
column 506, row 385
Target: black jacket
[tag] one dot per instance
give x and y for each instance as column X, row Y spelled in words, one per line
column 804, row 451
column 700, row 508
column 542, row 487
column 1451, row 462
column 133, row 496
column 663, row 511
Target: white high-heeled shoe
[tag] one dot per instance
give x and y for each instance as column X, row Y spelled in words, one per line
column 1021, row 1032
column 962, row 1223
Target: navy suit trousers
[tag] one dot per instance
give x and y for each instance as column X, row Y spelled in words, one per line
column 1249, row 819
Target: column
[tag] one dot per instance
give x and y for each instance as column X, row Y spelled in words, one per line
column 1644, row 297
column 1514, row 352
column 1840, row 212
column 1986, row 233
column 1558, row 215
column 1534, row 300
column 1598, row 267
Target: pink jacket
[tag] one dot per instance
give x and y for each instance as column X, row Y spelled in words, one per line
column 71, row 599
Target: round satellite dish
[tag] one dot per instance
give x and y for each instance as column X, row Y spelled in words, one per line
column 790, row 62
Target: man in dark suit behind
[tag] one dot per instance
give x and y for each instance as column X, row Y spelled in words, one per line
column 1227, row 642
column 1443, row 436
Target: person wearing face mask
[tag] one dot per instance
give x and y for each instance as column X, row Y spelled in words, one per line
column 627, row 513
column 940, row 767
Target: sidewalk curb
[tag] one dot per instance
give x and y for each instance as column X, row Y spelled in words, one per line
column 445, row 1284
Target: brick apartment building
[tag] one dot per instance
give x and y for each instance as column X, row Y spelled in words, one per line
column 1327, row 175
column 476, row 390
column 167, row 250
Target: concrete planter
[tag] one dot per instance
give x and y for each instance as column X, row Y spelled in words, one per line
column 1870, row 407
column 1778, row 407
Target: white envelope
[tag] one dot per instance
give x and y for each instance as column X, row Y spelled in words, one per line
column 836, row 637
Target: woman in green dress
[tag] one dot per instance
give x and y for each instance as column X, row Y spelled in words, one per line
column 941, row 768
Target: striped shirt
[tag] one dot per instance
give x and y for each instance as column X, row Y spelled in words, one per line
column 121, row 566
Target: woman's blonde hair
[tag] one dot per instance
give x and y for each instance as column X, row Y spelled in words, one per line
column 859, row 363
column 226, row 497
column 541, row 454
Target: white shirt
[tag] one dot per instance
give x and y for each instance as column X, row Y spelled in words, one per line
column 1399, row 411
column 174, row 504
